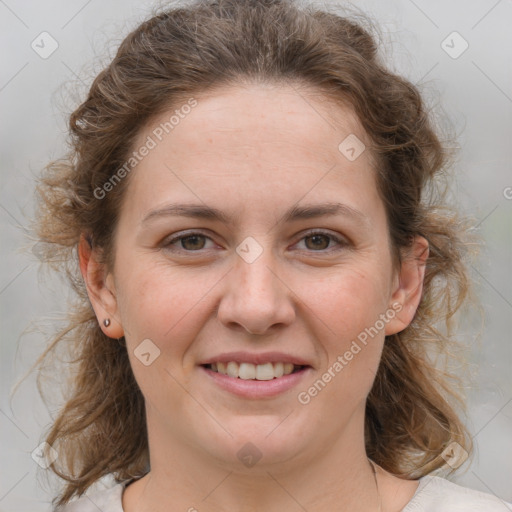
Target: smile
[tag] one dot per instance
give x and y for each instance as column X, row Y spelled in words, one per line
column 249, row 371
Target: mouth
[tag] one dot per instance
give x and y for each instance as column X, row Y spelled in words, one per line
column 249, row 371
column 256, row 381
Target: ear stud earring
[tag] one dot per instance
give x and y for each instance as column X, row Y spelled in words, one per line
column 106, row 322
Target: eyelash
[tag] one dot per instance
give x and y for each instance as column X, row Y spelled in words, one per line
column 340, row 241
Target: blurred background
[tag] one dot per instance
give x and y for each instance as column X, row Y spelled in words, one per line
column 460, row 55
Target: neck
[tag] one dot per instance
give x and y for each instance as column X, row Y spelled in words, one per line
column 338, row 478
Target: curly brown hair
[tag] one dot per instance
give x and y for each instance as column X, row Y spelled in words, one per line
column 411, row 411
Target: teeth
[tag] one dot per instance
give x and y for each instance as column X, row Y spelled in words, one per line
column 249, row 371
column 279, row 369
column 265, row 371
column 246, row 371
column 232, row 369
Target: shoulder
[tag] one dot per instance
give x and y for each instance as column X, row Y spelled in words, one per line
column 436, row 494
column 106, row 500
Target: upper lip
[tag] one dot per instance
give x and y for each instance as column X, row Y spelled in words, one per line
column 256, row 358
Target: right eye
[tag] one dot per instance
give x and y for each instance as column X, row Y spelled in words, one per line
column 190, row 242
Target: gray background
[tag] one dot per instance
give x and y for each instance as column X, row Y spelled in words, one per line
column 473, row 90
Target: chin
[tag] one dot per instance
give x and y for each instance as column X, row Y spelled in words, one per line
column 255, row 447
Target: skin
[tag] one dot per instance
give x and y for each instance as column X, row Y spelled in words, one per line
column 254, row 152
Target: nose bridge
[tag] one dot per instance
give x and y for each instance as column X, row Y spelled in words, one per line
column 257, row 280
column 256, row 297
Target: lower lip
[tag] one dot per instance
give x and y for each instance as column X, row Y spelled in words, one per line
column 257, row 388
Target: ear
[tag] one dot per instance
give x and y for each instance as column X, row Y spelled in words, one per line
column 100, row 288
column 408, row 286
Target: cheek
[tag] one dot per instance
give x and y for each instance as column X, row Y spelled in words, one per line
column 347, row 312
column 348, row 300
column 163, row 305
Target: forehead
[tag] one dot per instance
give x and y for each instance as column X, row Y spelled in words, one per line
column 297, row 113
column 266, row 135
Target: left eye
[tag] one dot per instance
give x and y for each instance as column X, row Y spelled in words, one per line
column 320, row 240
column 193, row 242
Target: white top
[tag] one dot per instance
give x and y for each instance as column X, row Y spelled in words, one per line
column 434, row 494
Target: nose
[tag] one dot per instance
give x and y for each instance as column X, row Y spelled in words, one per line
column 257, row 297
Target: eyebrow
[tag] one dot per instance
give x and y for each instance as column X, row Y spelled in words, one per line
column 293, row 214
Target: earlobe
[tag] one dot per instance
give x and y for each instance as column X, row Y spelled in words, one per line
column 100, row 289
column 409, row 288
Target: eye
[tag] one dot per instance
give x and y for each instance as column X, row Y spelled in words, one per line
column 319, row 241
column 191, row 242
column 315, row 241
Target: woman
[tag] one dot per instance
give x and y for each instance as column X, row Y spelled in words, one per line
column 246, row 218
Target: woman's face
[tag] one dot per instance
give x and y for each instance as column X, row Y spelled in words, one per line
column 284, row 257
